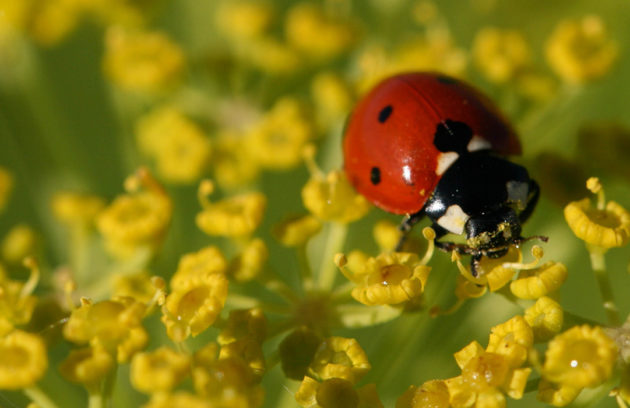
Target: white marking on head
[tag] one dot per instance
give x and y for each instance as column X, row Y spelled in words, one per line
column 478, row 143
column 444, row 161
column 517, row 192
column 454, row 219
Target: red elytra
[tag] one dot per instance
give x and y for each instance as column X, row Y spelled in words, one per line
column 393, row 129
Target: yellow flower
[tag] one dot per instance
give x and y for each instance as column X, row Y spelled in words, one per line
column 512, row 340
column 136, row 220
column 243, row 19
column 207, row 261
column 606, row 226
column 388, row 279
column 320, row 36
column 87, row 366
column 332, row 198
column 272, row 56
column 17, row 302
column 250, row 323
column 179, row 147
column 486, row 375
column 112, row 324
column 296, row 231
column 6, row 185
column 332, row 97
column 194, row 305
column 500, row 54
column 232, row 165
column 227, row 382
column 250, row 262
column 142, row 61
column 249, row 350
column 137, row 286
column 538, row 282
column 179, row 399
column 236, row 216
column 338, row 357
column 494, row 272
column 433, row 52
column 76, row 209
column 336, row 393
column 23, row 360
column 580, row 357
column 159, row 370
column 545, row 318
column 581, row 50
column 431, row 394
column 278, row 139
column 19, row 243
column 557, row 395
column 386, row 234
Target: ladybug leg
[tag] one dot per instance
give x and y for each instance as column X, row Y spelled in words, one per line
column 405, row 226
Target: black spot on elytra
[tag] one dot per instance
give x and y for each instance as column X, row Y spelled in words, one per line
column 384, row 113
column 452, row 136
column 375, row 175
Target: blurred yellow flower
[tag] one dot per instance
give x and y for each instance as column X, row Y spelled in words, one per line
column 23, row 360
column 137, row 220
column 236, row 216
column 278, row 139
column 146, row 62
column 500, row 54
column 243, row 323
column 315, row 33
column 19, row 243
column 87, row 366
column 243, row 19
column 75, row 209
column 159, row 370
column 179, row 147
column 250, row 262
column 207, row 261
column 332, row 198
column 296, row 231
column 581, row 50
column 179, row 399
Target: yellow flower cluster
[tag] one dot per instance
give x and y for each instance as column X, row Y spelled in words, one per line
column 145, row 62
column 336, row 366
column 179, row 147
column 138, row 220
column 581, row 50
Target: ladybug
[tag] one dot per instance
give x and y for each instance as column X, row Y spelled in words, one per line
column 425, row 144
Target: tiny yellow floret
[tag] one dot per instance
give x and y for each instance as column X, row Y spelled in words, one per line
column 538, row 282
column 500, row 54
column 296, row 231
column 332, row 198
column 235, row 216
column 339, row 357
column 581, row 50
column 23, row 360
column 87, row 366
column 159, row 370
column 580, row 357
column 545, row 318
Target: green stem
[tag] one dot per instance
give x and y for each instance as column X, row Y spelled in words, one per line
column 598, row 263
column 334, row 244
column 39, row 397
column 95, row 400
column 306, row 273
column 108, row 386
